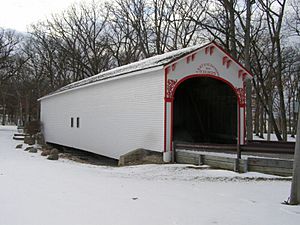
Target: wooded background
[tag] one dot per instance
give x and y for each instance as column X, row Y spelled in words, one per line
column 89, row 38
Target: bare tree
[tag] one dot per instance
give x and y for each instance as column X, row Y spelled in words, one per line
column 247, row 53
column 293, row 21
column 122, row 38
column 8, row 44
column 264, row 80
column 274, row 10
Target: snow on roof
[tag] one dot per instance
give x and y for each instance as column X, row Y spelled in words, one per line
column 148, row 63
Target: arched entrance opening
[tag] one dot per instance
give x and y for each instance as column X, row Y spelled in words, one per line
column 205, row 111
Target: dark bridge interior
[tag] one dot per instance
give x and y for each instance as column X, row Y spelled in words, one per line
column 205, row 111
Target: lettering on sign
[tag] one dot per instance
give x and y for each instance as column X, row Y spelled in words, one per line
column 207, row 68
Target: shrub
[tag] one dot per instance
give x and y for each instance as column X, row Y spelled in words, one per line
column 33, row 127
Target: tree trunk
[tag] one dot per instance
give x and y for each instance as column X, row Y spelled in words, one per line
column 256, row 117
column 294, row 124
column 295, row 188
column 3, row 109
column 270, row 113
column 289, row 116
column 281, row 94
column 27, row 107
column 229, row 6
column 269, row 119
column 249, row 125
column 3, row 115
column 261, row 125
column 232, row 28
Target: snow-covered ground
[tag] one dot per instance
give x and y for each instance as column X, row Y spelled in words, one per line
column 36, row 191
column 274, row 138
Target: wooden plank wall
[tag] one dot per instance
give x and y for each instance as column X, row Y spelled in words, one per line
column 271, row 166
column 264, row 165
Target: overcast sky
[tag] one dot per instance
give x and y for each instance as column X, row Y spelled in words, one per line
column 18, row 14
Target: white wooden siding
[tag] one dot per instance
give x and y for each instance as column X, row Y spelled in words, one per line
column 115, row 116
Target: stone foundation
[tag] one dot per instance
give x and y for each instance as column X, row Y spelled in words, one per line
column 141, row 156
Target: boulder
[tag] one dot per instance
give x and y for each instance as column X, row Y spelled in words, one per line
column 40, row 138
column 29, row 140
column 53, row 157
column 45, row 152
column 19, row 146
column 27, row 149
column 141, row 156
column 54, row 151
column 46, row 147
column 33, row 150
column 53, row 154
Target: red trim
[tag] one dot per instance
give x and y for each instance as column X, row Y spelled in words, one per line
column 228, row 64
column 189, row 54
column 172, row 124
column 193, row 56
column 165, row 111
column 172, row 103
column 173, row 66
column 170, row 87
column 188, row 58
column 224, row 60
column 241, row 92
column 166, row 77
column 169, row 99
column 205, row 75
column 245, row 115
column 244, row 125
column 226, row 53
column 165, row 126
column 206, row 50
column 211, row 50
column 242, row 74
column 167, row 70
column 239, row 125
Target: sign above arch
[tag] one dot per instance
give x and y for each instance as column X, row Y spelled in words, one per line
column 210, row 60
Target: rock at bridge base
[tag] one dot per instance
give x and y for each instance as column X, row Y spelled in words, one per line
column 40, row 138
column 141, row 156
column 45, row 152
column 29, row 140
column 53, row 157
column 53, row 154
column 33, row 150
column 19, row 146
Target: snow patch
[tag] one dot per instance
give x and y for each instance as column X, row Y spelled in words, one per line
column 37, row 191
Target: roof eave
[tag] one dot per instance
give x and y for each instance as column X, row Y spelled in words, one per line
column 189, row 53
column 119, row 76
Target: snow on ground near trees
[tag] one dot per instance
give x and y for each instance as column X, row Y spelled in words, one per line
column 273, row 138
column 36, row 191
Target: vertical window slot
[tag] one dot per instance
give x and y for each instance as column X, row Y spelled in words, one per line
column 77, row 120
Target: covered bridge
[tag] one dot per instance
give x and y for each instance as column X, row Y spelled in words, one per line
column 196, row 94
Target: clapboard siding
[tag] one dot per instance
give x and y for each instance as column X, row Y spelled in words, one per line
column 115, row 116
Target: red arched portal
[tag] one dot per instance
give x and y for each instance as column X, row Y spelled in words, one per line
column 204, row 110
column 226, row 127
